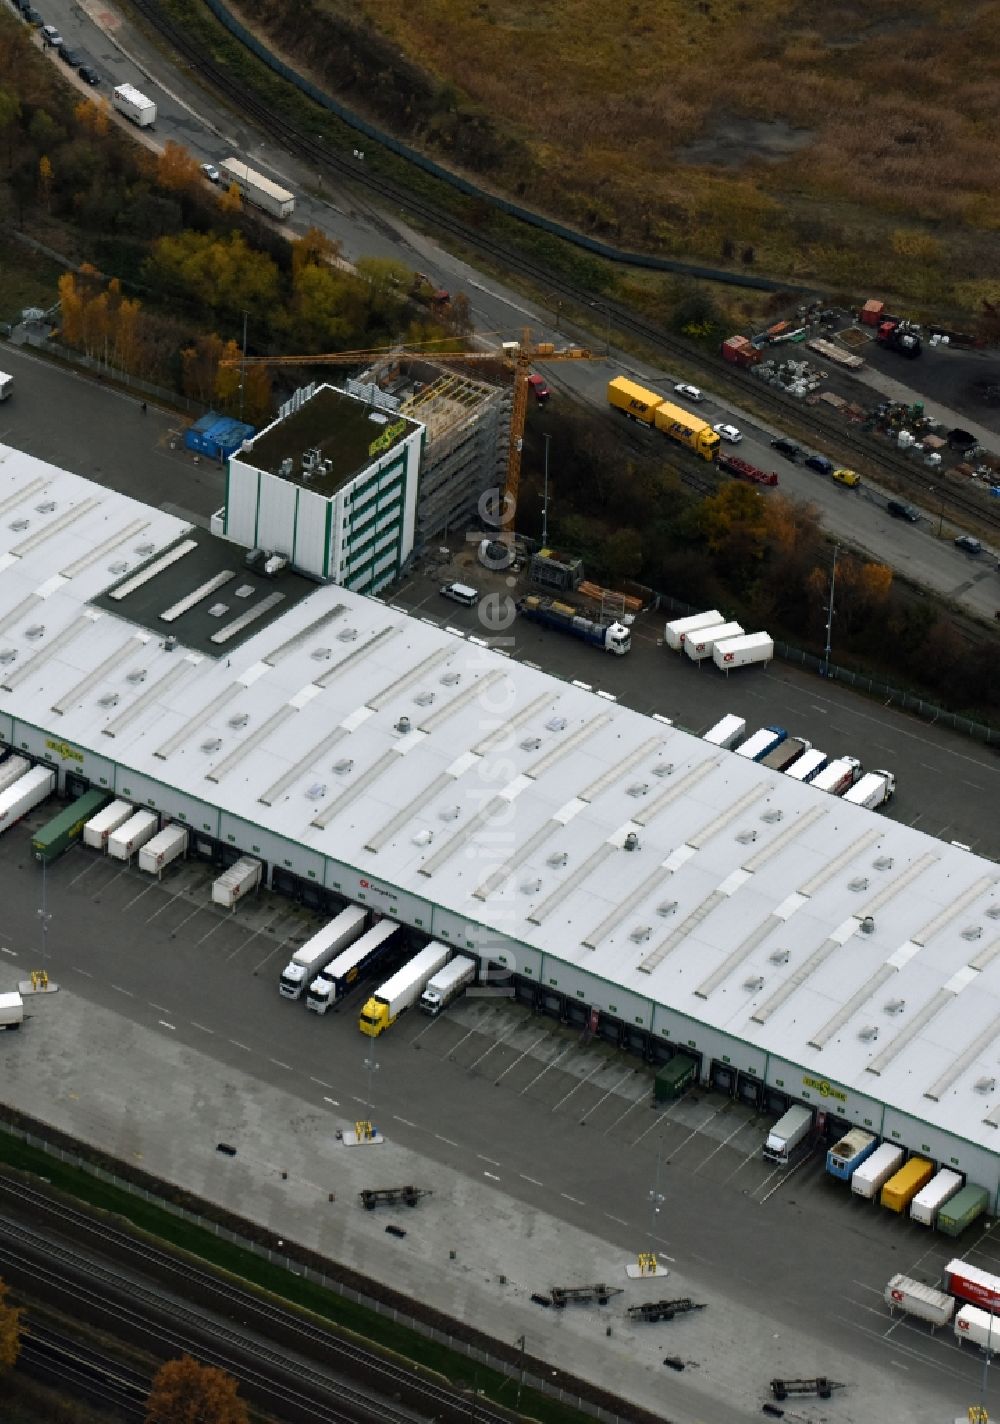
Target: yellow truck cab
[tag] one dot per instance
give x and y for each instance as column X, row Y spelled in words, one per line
column 851, row 478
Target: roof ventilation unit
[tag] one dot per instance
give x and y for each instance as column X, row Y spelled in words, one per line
column 754, row 984
column 311, row 460
column 984, row 1085
column 403, row 726
column 631, row 841
column 345, row 765
column 558, row 859
column 884, row 862
column 110, row 699
column 780, row 956
column 895, row 1006
column 556, row 724
column 665, row 768
column 145, row 549
column 773, row 816
column 450, row 678
column 747, row 837
column 321, row 655
column 212, row 745
column 424, row 699
column 47, row 507
column 423, row 838
column 867, row 925
column 973, row 932
column 287, row 466
column 240, row 720
column 347, row 635
column 640, row 934
column 639, row 788
column 858, row 884
column 136, row 676
column 869, row 1033
column 531, row 744
column 35, row 631
column 450, row 813
column 994, row 912
column 119, row 567
column 316, row 792
column 169, row 644
column 8, row 655
column 669, row 907
column 530, row 887
column 19, row 525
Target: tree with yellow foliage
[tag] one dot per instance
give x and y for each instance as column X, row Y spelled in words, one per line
column 45, row 176
column 10, row 1331
column 176, row 169
column 93, row 116
column 185, row 1392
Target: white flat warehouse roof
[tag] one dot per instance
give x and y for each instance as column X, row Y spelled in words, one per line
column 509, row 797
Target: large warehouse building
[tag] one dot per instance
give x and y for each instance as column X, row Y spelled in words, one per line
column 620, row 872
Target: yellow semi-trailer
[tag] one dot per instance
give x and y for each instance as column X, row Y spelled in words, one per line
column 633, row 400
column 687, row 429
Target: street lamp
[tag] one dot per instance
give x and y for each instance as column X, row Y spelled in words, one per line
column 829, row 615
column 372, row 1067
column 43, row 920
column 545, row 495
column 940, row 498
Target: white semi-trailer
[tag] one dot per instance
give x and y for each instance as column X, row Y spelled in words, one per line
column 403, row 990
column 311, row 958
column 132, row 834
column 236, row 882
column 447, row 984
column 344, row 971
column 12, row 768
column 166, row 846
column 99, row 827
column 257, row 189
column 134, row 105
column 25, row 793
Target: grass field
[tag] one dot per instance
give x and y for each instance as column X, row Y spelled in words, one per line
column 849, row 143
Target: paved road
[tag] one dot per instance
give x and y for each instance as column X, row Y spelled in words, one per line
column 488, row 1099
column 193, row 117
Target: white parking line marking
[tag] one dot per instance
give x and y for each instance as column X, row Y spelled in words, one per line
column 164, row 1024
column 170, row 900
column 404, row 1120
column 607, row 1095
column 572, row 1199
column 202, row 1027
column 11, row 952
column 725, row 1142
column 492, row 1175
column 85, row 972
column 237, row 1044
column 578, row 1084
column 278, row 1064
column 533, row 1180
column 445, row 1139
column 136, row 898
column 123, row 991
column 558, row 1058
column 487, row 1159
column 158, row 1007
column 620, row 1220
column 319, row 1083
column 521, row 1056
column 332, row 1101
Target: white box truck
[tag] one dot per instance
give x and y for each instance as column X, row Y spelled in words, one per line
column 914, row 1298
column 874, row 789
column 930, row 1199
column 791, row 1128
column 131, row 834
column 743, row 652
column 980, row 1326
column 6, row 385
column 167, row 845
column 837, row 775
column 699, row 645
column 11, row 1010
column 447, row 984
column 675, row 633
column 99, row 827
column 758, row 744
column 257, row 189
column 311, row 958
column 403, row 990
column 236, row 882
column 134, row 105
column 781, row 757
column 12, row 769
column 876, row 1170
column 27, row 791
column 808, row 765
column 342, row 973
column 726, row 732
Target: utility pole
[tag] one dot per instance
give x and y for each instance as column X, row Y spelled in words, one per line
column 243, row 363
column 829, row 615
column 545, row 496
column 43, row 918
column 521, row 1342
column 372, row 1067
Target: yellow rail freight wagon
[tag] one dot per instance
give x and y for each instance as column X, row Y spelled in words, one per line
column 650, row 409
column 900, row 1190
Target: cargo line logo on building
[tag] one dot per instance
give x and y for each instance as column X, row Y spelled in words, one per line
column 63, row 750
column 377, row 889
column 824, row 1088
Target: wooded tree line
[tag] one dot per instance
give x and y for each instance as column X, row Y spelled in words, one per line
column 760, row 556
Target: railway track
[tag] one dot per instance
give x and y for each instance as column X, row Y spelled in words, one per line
column 713, row 370
column 188, row 1326
column 59, row 1360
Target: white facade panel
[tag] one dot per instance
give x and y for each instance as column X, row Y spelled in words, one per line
column 264, row 844
column 276, row 514
column 310, row 552
column 812, row 1087
column 242, row 488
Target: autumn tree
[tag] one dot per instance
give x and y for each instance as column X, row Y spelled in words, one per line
column 223, row 273
column 10, row 1331
column 45, row 180
column 176, row 169
column 185, row 1392
column 93, row 116
column 10, row 113
column 257, row 395
column 230, row 201
column 200, row 367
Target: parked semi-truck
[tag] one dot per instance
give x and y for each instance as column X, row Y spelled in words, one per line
column 868, row 1180
column 874, row 789
column 792, row 1128
column 808, row 765
column 758, row 744
column 311, row 958
column 236, row 882
column 131, row 834
column 676, row 633
column 403, row 990
column 744, row 651
column 847, row 1155
column 165, row 847
column 345, row 971
column 980, row 1326
column 698, row 646
column 970, row 1283
column 257, row 189
column 11, row 769
column 781, row 757
column 134, row 105
column 930, row 1199
column 914, row 1298
column 446, row 985
column 963, row 1209
column 903, row 1185
column 11, row 1010
column 727, row 732
column 649, row 408
column 25, row 793
column 51, row 840
column 6, row 385
column 99, row 827
column 837, row 775
column 612, row 637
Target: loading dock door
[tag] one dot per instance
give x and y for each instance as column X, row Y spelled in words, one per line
column 723, row 1078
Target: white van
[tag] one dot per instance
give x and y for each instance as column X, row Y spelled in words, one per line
column 460, row 593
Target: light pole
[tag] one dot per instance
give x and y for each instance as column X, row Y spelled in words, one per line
column 43, row 920
column 520, row 1341
column 545, row 495
column 372, row 1067
column 655, row 1199
column 829, row 615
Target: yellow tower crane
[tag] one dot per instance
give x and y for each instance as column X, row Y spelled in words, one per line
column 515, row 356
